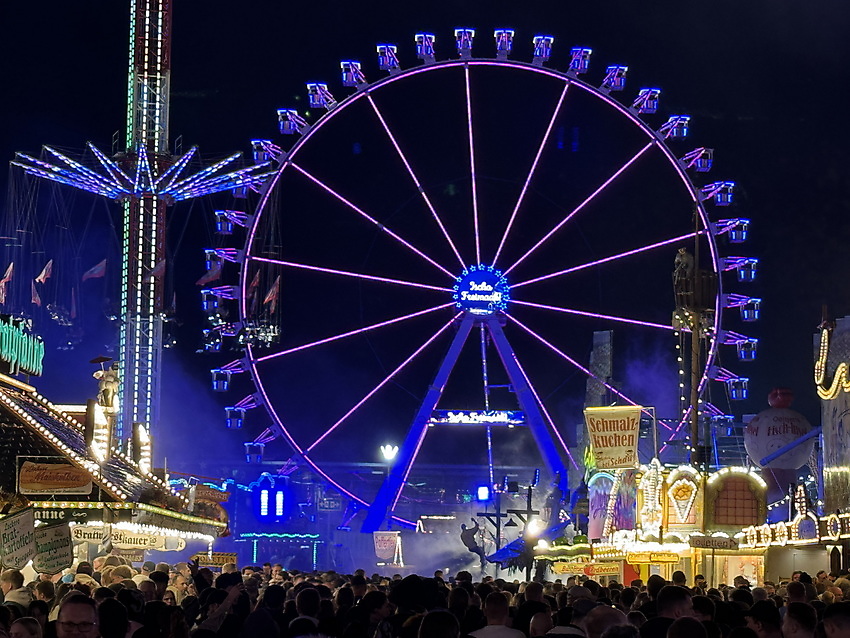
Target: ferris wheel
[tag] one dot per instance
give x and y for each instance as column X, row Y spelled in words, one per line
column 439, row 248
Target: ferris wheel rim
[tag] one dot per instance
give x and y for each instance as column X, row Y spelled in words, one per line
column 656, row 140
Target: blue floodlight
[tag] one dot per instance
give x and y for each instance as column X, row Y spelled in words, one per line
column 482, row 493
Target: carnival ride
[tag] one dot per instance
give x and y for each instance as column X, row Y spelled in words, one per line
column 462, row 211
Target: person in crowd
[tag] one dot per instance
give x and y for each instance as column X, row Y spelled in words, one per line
column 686, row 627
column 78, row 617
column 764, row 619
column 15, row 595
column 534, row 603
column 672, row 603
column 497, row 613
column 836, row 620
column 800, row 621
column 26, row 627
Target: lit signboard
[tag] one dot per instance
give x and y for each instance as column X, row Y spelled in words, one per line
column 481, row 290
column 20, row 351
column 509, row 418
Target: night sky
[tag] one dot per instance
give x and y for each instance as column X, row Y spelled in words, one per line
column 764, row 81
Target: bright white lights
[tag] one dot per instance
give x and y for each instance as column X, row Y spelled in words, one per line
column 389, row 452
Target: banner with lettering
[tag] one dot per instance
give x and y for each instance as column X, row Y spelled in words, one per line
column 17, row 539
column 387, row 544
column 53, row 477
column 54, row 550
column 613, row 433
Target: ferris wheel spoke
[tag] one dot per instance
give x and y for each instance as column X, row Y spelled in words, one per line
column 605, row 260
column 580, row 367
column 578, row 208
column 594, row 315
column 380, row 385
column 351, row 333
column 346, row 273
column 472, row 167
column 531, row 171
column 415, row 179
column 369, row 218
column 546, row 413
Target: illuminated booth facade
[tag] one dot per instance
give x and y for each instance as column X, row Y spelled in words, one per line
column 68, row 475
column 658, row 520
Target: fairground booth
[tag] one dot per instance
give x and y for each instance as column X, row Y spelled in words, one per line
column 72, row 480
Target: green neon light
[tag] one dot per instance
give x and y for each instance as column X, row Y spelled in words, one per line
column 22, row 351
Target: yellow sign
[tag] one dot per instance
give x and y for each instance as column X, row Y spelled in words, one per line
column 216, row 559
column 569, row 568
column 613, row 435
column 645, row 558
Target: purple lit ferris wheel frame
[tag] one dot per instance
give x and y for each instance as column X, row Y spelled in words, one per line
column 570, row 82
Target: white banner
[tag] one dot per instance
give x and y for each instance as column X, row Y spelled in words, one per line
column 17, row 539
column 54, row 549
column 386, row 544
column 124, row 539
column 613, row 434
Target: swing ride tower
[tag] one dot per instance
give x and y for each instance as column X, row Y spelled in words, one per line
column 145, row 178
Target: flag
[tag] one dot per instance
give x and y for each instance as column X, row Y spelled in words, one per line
column 35, row 298
column 8, row 276
column 45, row 272
column 73, row 303
column 255, row 283
column 273, row 294
column 157, row 271
column 96, row 271
column 211, row 275
column 2, row 293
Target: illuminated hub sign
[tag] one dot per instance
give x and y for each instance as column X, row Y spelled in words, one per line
column 509, row 418
column 481, row 290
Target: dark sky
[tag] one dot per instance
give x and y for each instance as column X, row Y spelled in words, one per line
column 764, row 80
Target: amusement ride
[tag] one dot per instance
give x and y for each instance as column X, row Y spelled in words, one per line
column 433, row 255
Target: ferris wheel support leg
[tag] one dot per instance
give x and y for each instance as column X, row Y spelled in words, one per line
column 384, row 502
column 525, row 397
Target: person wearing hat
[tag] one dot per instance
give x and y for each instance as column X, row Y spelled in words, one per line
column 764, row 619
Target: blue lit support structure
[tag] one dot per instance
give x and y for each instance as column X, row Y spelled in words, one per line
column 390, row 491
column 145, row 179
column 527, row 400
column 391, row 488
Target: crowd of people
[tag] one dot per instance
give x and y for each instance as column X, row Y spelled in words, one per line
column 108, row 598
